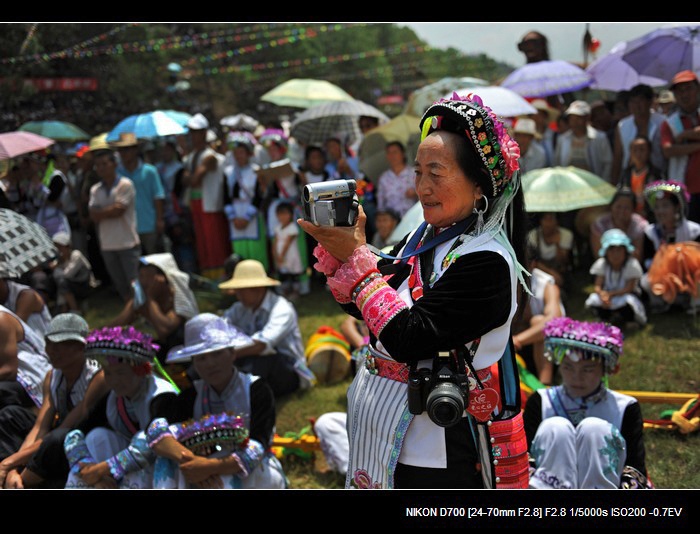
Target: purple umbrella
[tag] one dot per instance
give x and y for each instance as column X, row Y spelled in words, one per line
column 665, row 52
column 546, row 78
column 612, row 73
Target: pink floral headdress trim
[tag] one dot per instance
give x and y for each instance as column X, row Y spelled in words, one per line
column 566, row 337
column 274, row 135
column 125, row 342
column 498, row 151
column 656, row 189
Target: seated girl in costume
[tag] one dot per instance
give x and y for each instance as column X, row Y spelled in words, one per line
column 109, row 449
column 617, row 273
column 220, row 432
column 582, row 435
column 671, row 250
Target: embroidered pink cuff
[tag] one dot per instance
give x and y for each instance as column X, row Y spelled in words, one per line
column 339, row 297
column 349, row 274
column 327, row 263
column 379, row 303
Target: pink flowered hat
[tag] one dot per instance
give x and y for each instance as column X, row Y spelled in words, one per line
column 469, row 116
column 121, row 342
column 564, row 336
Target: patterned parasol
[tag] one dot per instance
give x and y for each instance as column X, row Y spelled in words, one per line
column 24, row 244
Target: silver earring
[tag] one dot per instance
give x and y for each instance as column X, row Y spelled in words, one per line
column 480, row 215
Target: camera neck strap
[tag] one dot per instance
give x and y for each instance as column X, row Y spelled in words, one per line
column 412, row 248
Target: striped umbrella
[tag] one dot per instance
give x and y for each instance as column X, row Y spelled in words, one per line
column 24, row 244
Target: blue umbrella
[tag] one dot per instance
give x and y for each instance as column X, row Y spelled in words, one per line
column 181, row 117
column 147, row 126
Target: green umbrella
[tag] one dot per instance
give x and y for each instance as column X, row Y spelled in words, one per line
column 564, row 189
column 304, row 93
column 56, row 130
column 372, row 151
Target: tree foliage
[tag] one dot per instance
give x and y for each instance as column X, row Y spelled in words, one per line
column 226, row 67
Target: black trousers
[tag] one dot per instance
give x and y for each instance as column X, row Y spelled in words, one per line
column 50, row 461
column 277, row 369
column 17, row 417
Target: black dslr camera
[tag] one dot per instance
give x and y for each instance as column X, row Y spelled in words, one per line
column 443, row 392
column 331, row 203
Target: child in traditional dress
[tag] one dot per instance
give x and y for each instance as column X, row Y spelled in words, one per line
column 109, row 450
column 221, row 432
column 617, row 274
column 285, row 252
column 582, row 435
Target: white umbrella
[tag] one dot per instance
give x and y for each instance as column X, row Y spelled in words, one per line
column 422, row 98
column 409, row 222
column 502, row 101
column 612, row 73
column 240, row 121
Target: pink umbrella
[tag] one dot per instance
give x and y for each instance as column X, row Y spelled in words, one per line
column 13, row 144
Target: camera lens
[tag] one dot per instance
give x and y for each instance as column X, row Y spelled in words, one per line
column 445, row 404
column 306, row 193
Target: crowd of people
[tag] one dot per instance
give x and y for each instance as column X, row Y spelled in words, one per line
column 445, row 308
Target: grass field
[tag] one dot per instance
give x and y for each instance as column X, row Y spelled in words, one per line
column 664, row 356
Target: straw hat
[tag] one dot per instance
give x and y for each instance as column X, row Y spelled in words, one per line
column 249, row 273
column 99, row 142
column 126, row 139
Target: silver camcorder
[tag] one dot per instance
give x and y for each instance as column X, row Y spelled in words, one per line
column 331, row 203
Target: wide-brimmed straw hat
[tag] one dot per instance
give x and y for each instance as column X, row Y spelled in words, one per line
column 126, row 139
column 249, row 273
column 205, row 333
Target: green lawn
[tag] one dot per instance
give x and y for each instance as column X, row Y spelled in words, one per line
column 662, row 357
